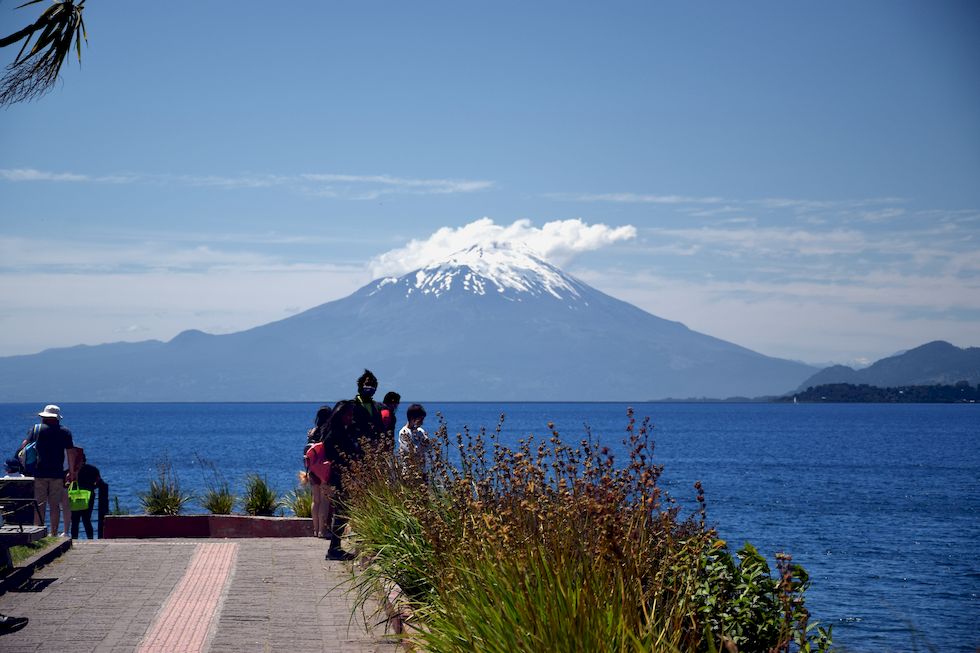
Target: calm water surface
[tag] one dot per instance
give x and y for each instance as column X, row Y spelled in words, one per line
column 879, row 502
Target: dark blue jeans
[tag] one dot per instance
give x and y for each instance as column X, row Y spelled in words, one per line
column 85, row 516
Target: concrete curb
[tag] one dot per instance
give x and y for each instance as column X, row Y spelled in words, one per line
column 399, row 615
column 197, row 526
column 22, row 573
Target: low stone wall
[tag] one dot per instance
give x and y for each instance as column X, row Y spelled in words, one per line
column 152, row 526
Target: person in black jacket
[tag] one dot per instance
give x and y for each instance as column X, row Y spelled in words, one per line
column 353, row 421
column 368, row 422
column 88, row 479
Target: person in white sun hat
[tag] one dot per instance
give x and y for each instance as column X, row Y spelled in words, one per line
column 52, row 442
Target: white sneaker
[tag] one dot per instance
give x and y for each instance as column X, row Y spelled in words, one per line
column 68, row 535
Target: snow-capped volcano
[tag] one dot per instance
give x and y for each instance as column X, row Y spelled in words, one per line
column 489, row 323
column 513, row 272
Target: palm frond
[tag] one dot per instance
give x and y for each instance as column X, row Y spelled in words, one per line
column 33, row 74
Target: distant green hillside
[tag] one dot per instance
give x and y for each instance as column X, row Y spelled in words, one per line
column 961, row 392
column 933, row 363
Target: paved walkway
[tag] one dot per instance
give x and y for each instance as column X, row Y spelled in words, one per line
column 234, row 595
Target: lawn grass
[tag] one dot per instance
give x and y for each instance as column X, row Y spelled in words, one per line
column 22, row 552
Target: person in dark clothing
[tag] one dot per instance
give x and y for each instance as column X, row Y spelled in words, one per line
column 340, row 446
column 52, row 442
column 389, row 408
column 367, row 412
column 353, row 422
column 88, row 479
column 320, row 424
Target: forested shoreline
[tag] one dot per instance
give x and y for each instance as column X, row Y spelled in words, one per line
column 961, row 392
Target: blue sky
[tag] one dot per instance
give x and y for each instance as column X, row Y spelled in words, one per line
column 801, row 178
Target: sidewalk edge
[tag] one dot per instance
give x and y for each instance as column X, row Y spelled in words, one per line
column 22, row 573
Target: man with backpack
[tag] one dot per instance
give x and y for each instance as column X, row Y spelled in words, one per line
column 52, row 442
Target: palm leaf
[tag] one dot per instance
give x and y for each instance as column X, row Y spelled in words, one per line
column 34, row 73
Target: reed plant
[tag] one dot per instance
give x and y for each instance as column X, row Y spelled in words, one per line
column 300, row 501
column 218, row 499
column 164, row 496
column 260, row 498
column 556, row 547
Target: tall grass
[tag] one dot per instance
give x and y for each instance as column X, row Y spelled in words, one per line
column 554, row 547
column 260, row 498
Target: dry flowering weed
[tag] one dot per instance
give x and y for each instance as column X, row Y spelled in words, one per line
column 547, row 505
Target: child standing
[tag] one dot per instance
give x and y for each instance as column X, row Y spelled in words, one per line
column 413, row 441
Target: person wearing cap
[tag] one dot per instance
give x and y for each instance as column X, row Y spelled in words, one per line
column 367, row 412
column 13, row 469
column 52, row 443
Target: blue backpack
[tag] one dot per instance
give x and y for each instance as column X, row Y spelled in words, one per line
column 28, row 455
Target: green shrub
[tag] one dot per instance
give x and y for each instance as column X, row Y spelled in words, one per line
column 300, row 501
column 740, row 602
column 164, row 496
column 260, row 498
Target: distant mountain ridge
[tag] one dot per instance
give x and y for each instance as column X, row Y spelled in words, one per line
column 494, row 322
column 933, row 363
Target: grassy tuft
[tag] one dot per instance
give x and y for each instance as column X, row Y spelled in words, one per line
column 164, row 496
column 260, row 498
column 300, row 501
column 218, row 499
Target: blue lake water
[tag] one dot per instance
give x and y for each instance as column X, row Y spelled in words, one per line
column 879, row 502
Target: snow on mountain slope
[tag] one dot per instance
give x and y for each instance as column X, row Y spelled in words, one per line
column 513, row 272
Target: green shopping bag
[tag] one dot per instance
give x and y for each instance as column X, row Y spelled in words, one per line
column 77, row 497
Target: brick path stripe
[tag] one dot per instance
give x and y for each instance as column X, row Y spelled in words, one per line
column 186, row 618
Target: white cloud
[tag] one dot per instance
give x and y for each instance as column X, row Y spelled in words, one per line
column 141, row 305
column 30, row 174
column 869, row 316
column 557, row 241
column 633, row 198
column 343, row 186
column 393, row 184
column 28, row 255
